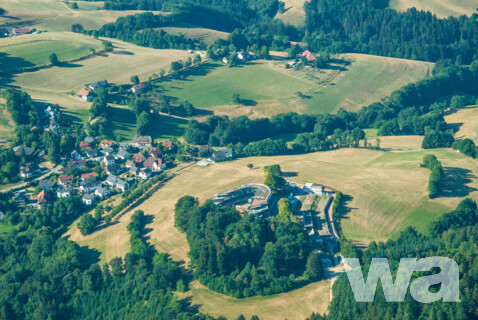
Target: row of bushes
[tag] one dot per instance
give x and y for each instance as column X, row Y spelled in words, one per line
column 336, row 205
column 436, row 177
column 133, row 196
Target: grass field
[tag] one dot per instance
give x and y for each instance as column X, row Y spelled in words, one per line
column 123, row 125
column 368, row 79
column 294, row 12
column 55, row 15
column 35, row 49
column 465, row 121
column 53, row 85
column 191, row 31
column 442, row 8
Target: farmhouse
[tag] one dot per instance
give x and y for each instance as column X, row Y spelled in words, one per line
column 98, row 84
column 258, row 197
column 85, row 95
column 137, row 88
column 308, row 56
column 142, row 141
column 22, row 31
column 222, row 155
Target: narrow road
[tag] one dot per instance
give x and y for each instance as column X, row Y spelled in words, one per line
column 330, row 219
column 24, row 184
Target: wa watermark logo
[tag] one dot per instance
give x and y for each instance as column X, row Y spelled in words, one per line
column 448, row 277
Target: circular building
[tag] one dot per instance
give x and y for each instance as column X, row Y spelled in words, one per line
column 256, row 197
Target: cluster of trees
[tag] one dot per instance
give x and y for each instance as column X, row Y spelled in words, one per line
column 436, row 177
column 141, row 29
column 274, row 178
column 244, row 255
column 438, row 138
column 467, row 147
column 368, row 26
column 99, row 106
column 43, row 276
column 453, row 235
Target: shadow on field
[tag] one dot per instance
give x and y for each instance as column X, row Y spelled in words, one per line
column 129, row 53
column 456, row 182
column 9, row 66
column 89, row 256
column 455, row 126
column 346, row 208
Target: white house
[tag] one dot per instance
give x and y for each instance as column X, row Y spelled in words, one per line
column 64, row 193
column 88, row 199
column 109, row 160
column 145, row 173
column 122, row 185
column 102, row 192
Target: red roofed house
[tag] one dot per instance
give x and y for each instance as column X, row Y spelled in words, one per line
column 85, row 145
column 65, row 180
column 89, row 177
column 43, row 198
column 23, row 31
column 155, row 152
column 137, row 87
column 138, row 158
column 167, row 144
column 154, row 164
column 85, row 95
column 106, row 143
column 308, row 56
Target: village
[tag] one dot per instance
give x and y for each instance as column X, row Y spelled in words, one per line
column 96, row 170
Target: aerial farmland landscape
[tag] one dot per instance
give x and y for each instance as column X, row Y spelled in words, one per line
column 238, row 159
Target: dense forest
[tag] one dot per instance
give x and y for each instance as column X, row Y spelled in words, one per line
column 367, row 26
column 244, row 255
column 453, row 235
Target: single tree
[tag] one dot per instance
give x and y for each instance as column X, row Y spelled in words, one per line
column 250, row 166
column 135, row 79
column 87, row 224
column 54, row 59
column 314, row 266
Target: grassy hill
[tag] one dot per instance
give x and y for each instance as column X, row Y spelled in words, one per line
column 55, row 15
column 465, row 121
column 294, row 12
column 191, row 31
column 362, row 80
column 442, row 8
column 53, row 85
column 35, row 49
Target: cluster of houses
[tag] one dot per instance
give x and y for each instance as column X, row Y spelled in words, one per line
column 241, row 56
column 87, row 94
column 120, row 169
column 4, row 33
